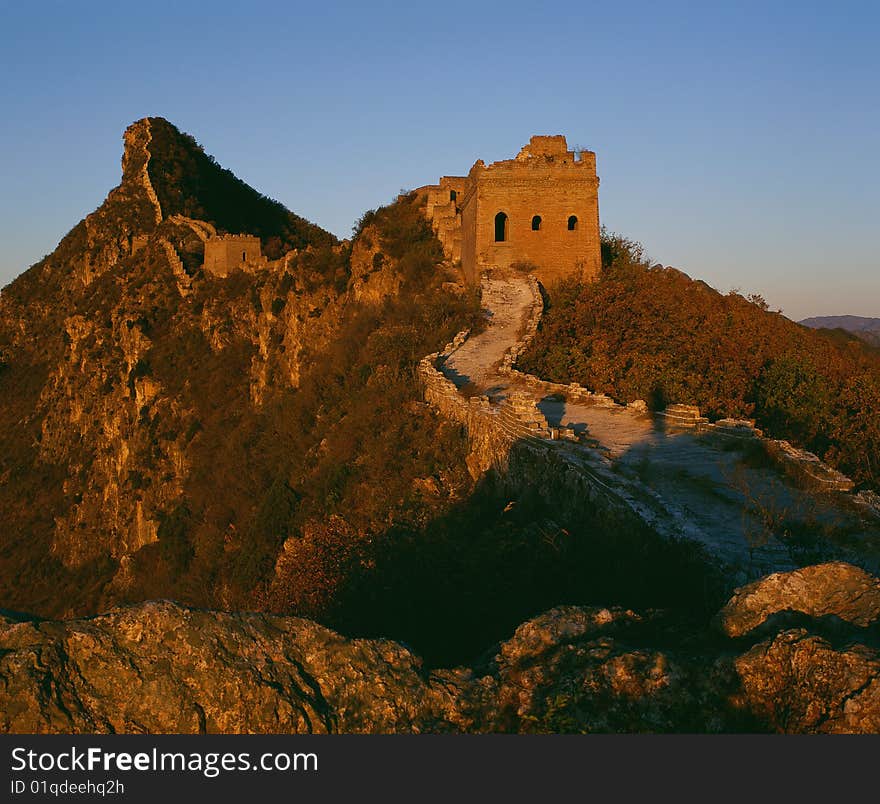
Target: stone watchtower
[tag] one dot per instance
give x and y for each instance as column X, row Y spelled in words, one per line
column 541, row 207
column 230, row 252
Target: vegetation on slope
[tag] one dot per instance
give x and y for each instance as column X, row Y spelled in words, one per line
column 352, row 437
column 333, row 492
column 643, row 332
column 841, row 326
column 189, row 182
column 344, row 498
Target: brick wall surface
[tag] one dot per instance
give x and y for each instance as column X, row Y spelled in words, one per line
column 227, row 253
column 545, row 180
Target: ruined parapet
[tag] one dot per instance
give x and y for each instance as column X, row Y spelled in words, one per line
column 457, row 341
column 493, row 429
column 138, row 242
column 440, row 391
column 520, row 418
column 807, row 468
column 736, row 428
column 184, row 281
column 202, row 229
column 442, row 209
column 230, row 252
column 683, row 416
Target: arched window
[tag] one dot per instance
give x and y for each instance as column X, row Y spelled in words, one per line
column 572, row 223
column 536, row 223
column 452, row 195
column 500, row 227
column 243, row 256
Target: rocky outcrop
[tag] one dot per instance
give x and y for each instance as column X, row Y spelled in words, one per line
column 823, row 674
column 136, row 159
column 130, row 210
column 835, row 589
column 162, row 668
column 159, row 667
column 373, row 277
column 799, row 682
column 107, row 390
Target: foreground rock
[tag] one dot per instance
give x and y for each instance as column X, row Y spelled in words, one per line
column 799, row 680
column 158, row 667
column 836, row 589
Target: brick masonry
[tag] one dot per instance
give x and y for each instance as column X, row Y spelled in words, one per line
column 549, row 197
column 227, row 253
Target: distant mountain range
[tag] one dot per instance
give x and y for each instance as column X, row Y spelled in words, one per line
column 868, row 329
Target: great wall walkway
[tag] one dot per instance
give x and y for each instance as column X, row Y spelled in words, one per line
column 717, row 483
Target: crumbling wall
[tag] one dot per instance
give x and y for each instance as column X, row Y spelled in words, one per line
column 802, row 466
column 494, row 429
column 442, row 207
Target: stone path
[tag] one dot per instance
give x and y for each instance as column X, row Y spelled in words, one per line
column 476, row 361
column 719, row 490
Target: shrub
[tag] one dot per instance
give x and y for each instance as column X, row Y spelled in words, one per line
column 643, row 332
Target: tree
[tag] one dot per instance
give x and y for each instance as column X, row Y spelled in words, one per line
column 793, row 398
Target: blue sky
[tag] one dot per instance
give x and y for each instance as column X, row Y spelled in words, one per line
column 737, row 141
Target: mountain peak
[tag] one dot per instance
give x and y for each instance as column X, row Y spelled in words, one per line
column 165, row 172
column 181, row 179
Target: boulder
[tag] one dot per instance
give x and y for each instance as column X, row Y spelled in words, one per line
column 835, row 588
column 797, row 682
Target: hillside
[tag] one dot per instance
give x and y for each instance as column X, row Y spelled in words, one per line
column 653, row 333
column 214, row 471
column 261, row 441
column 868, row 329
column 164, row 431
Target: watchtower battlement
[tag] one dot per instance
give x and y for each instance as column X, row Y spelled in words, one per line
column 541, row 207
column 229, row 252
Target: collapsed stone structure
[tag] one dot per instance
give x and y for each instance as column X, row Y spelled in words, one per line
column 540, row 208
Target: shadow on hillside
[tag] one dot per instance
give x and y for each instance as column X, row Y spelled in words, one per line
column 748, row 508
column 469, row 578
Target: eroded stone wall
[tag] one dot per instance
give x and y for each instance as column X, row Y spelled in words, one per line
column 497, row 430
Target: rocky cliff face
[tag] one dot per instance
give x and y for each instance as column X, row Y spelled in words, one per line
column 159, row 667
column 261, row 440
column 137, row 390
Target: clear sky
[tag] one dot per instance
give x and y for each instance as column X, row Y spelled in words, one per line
column 738, row 141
